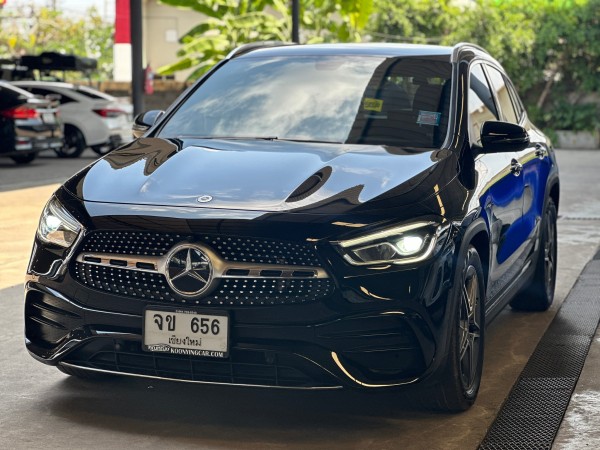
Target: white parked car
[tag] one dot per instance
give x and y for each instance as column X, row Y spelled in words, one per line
column 92, row 118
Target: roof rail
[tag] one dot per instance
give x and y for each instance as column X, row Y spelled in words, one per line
column 462, row 45
column 468, row 44
column 247, row 48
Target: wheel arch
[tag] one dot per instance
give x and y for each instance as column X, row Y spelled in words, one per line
column 477, row 235
column 554, row 191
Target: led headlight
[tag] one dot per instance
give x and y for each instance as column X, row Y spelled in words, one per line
column 57, row 226
column 399, row 245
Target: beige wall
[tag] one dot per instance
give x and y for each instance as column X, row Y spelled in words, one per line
column 164, row 23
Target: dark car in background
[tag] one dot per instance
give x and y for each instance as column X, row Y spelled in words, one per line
column 28, row 124
column 310, row 217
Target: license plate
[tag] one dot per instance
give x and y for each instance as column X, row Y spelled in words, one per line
column 48, row 118
column 186, row 332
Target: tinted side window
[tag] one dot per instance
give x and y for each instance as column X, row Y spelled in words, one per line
column 481, row 103
column 500, row 88
column 37, row 91
column 90, row 94
column 43, row 92
column 515, row 98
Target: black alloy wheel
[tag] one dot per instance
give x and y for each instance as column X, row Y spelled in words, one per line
column 460, row 376
column 25, row 158
column 470, row 330
column 538, row 295
column 74, row 143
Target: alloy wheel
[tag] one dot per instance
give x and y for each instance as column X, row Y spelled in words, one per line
column 549, row 254
column 469, row 329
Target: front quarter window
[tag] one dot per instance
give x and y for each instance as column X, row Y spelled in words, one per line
column 481, row 103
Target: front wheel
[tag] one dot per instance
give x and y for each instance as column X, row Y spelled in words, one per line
column 460, row 376
column 538, row 295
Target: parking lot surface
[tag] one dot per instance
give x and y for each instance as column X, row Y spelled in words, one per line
column 42, row 407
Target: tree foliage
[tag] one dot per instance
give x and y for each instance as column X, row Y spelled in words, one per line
column 228, row 24
column 32, row 30
column 334, row 20
column 550, row 48
column 415, row 21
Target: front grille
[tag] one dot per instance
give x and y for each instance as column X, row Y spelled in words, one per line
column 244, row 366
column 231, row 291
column 241, row 249
column 305, row 281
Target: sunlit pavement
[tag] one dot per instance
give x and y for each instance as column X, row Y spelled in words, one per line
column 41, row 407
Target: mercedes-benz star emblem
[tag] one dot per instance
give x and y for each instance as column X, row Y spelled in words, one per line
column 189, row 270
column 204, row 198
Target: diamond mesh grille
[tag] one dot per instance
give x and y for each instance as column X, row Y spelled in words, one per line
column 230, row 291
column 231, row 248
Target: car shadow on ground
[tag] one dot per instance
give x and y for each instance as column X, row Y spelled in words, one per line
column 162, row 408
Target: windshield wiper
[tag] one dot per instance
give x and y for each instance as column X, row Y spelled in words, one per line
column 258, row 138
column 316, row 141
column 230, row 138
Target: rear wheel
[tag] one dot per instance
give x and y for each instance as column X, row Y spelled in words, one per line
column 74, row 143
column 461, row 374
column 24, row 159
column 539, row 293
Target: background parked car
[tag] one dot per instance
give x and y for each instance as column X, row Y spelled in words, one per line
column 92, row 118
column 27, row 124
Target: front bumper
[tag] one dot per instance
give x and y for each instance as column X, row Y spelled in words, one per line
column 379, row 348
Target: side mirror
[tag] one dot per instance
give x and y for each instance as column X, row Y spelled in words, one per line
column 497, row 137
column 144, row 121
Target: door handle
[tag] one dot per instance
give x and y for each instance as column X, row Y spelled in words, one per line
column 540, row 151
column 516, row 167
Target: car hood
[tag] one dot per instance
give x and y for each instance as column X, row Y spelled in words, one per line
column 264, row 175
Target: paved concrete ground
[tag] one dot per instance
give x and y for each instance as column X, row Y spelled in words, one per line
column 41, row 407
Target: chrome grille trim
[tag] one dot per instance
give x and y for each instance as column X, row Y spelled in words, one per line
column 221, row 267
column 131, row 261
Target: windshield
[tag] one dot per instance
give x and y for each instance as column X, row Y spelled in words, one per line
column 349, row 99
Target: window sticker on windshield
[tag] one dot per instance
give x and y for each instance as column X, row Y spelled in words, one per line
column 429, row 118
column 372, row 104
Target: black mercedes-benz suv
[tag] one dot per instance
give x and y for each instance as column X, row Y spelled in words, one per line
column 305, row 216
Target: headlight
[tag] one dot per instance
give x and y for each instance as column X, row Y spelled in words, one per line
column 399, row 245
column 57, row 226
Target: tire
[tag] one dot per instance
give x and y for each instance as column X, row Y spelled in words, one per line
column 74, row 143
column 24, row 159
column 538, row 295
column 460, row 376
column 82, row 374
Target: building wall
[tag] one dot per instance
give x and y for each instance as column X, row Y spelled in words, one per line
column 163, row 26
